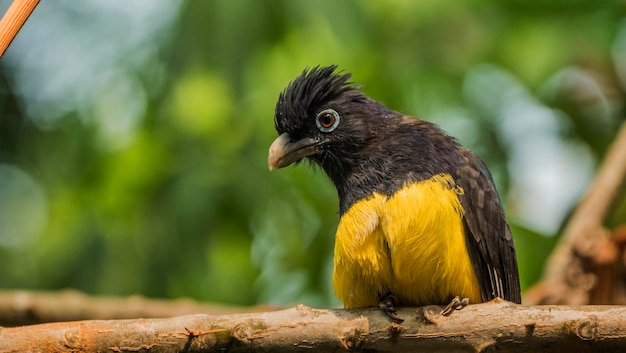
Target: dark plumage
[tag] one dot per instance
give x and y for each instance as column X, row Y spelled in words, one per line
column 366, row 148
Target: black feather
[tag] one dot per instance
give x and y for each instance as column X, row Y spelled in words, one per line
column 304, row 95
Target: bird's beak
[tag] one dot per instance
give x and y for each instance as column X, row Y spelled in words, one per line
column 283, row 152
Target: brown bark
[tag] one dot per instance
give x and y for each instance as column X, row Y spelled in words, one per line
column 488, row 327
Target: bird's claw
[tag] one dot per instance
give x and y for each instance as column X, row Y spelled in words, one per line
column 387, row 305
column 455, row 304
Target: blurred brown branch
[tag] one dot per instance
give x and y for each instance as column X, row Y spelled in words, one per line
column 28, row 307
column 497, row 325
column 585, row 267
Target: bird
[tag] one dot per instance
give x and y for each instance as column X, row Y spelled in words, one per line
column 420, row 219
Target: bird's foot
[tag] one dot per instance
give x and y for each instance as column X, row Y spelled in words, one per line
column 387, row 305
column 455, row 304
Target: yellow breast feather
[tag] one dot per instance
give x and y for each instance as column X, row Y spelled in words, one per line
column 411, row 244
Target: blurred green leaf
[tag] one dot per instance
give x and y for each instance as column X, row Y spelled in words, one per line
column 149, row 150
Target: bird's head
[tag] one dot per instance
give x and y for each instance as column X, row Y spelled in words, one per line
column 321, row 116
column 361, row 145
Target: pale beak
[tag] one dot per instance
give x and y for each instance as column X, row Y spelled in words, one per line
column 283, row 152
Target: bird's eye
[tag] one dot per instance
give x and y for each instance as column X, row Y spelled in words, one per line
column 327, row 120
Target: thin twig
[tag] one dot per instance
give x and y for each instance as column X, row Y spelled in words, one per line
column 13, row 20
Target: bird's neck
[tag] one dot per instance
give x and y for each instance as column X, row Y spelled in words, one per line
column 405, row 152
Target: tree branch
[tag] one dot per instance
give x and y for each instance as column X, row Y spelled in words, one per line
column 497, row 325
column 19, row 307
column 573, row 273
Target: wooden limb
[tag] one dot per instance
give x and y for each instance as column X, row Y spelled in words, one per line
column 572, row 274
column 13, row 20
column 493, row 326
column 20, row 307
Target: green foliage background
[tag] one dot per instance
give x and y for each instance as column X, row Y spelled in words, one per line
column 180, row 202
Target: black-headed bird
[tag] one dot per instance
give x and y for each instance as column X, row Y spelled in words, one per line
column 420, row 222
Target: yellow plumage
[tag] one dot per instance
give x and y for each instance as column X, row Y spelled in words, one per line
column 411, row 244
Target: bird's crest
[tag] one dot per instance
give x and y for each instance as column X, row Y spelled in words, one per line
column 308, row 92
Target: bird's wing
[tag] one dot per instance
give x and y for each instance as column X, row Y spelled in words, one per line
column 487, row 234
